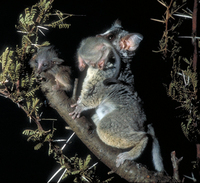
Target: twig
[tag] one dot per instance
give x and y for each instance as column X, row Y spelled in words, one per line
column 175, row 164
column 191, row 178
column 7, row 95
column 157, row 20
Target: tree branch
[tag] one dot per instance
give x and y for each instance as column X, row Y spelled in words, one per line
column 175, row 163
column 84, row 129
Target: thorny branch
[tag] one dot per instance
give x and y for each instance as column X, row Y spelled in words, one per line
column 194, row 34
column 183, row 89
column 5, row 93
column 168, row 14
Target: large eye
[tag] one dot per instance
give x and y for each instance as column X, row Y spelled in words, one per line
column 110, row 37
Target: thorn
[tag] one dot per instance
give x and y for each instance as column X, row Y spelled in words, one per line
column 184, row 36
column 62, row 175
column 59, row 140
column 179, row 74
column 42, row 27
column 188, row 80
column 23, row 32
column 193, row 38
column 189, row 37
column 191, row 178
column 42, row 32
column 68, row 128
column 189, row 10
column 41, row 114
column 183, row 16
column 67, row 141
column 55, row 174
column 93, row 166
column 48, row 119
column 85, row 178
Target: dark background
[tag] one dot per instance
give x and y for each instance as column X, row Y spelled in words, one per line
column 19, row 161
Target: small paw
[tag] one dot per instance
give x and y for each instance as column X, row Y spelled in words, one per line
column 77, row 112
column 121, row 158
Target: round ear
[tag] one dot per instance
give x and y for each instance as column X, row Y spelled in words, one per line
column 101, row 64
column 117, row 23
column 81, row 63
column 57, row 61
column 131, row 42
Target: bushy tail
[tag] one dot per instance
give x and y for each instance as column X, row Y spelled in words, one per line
column 156, row 155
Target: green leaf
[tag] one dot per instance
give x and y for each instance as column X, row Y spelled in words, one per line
column 38, row 146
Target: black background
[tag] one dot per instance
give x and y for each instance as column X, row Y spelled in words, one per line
column 19, row 162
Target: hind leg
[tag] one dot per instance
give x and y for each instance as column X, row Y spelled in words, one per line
column 118, row 131
column 134, row 153
column 119, row 128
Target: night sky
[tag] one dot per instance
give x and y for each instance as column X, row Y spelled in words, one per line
column 19, row 161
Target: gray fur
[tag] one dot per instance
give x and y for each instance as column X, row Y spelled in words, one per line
column 121, row 126
column 119, row 116
column 47, row 66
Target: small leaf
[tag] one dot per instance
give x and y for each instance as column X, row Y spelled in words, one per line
column 38, row 146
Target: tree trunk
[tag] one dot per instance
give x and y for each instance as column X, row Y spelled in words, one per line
column 85, row 130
